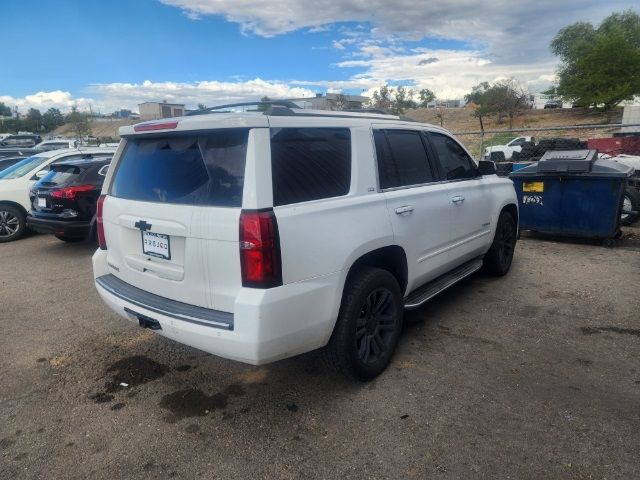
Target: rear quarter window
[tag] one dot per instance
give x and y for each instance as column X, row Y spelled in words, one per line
column 206, row 169
column 310, row 164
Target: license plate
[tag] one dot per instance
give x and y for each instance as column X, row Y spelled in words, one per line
column 42, row 202
column 156, row 245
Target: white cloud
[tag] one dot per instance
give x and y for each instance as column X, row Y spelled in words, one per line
column 112, row 96
column 45, row 100
column 509, row 31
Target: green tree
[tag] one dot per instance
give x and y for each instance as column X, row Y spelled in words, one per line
column 202, row 106
column 381, row 99
column 395, row 101
column 51, row 119
column 79, row 122
column 599, row 66
column 426, row 97
column 264, row 104
column 506, row 98
column 34, row 120
column 403, row 100
column 5, row 111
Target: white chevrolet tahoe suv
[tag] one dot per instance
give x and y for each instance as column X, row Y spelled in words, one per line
column 259, row 236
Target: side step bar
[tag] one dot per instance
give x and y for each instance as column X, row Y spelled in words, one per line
column 429, row 290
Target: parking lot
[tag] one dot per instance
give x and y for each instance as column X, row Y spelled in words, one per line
column 533, row 375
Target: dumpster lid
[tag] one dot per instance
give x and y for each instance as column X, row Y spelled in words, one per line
column 579, row 163
column 567, row 161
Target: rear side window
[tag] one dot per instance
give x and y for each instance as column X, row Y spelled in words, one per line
column 402, row 158
column 310, row 164
column 455, row 162
column 207, row 169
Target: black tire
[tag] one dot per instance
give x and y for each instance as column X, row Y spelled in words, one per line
column 12, row 223
column 631, row 200
column 368, row 325
column 64, row 238
column 497, row 261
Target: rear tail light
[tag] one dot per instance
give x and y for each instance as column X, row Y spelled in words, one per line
column 102, row 242
column 260, row 249
column 71, row 192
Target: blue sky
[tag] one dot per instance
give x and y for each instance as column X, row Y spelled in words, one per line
column 115, row 54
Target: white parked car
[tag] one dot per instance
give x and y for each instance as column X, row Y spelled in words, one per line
column 514, row 145
column 15, row 182
column 56, row 144
column 257, row 237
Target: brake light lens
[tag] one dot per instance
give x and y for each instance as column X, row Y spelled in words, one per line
column 71, row 192
column 149, row 127
column 102, row 242
column 260, row 249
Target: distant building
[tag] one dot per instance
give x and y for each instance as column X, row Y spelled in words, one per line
column 446, row 104
column 156, row 110
column 332, row 101
column 122, row 113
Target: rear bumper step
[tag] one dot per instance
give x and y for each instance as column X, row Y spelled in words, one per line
column 165, row 306
column 429, row 290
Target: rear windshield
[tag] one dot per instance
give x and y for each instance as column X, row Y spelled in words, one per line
column 206, row 169
column 62, row 175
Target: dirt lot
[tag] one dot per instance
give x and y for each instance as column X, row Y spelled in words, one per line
column 535, row 375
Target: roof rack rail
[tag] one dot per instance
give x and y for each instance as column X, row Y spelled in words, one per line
column 265, row 106
column 287, row 108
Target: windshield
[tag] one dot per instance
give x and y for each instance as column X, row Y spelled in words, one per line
column 23, row 167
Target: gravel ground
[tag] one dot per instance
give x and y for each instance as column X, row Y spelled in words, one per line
column 534, row 375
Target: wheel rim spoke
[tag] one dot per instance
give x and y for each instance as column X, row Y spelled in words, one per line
column 375, row 327
column 9, row 224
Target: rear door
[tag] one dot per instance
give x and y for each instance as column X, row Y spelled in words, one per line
column 469, row 196
column 171, row 215
column 417, row 202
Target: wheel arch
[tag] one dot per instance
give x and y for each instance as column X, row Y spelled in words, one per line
column 391, row 258
column 511, row 208
column 15, row 205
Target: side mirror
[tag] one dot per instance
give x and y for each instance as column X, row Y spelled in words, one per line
column 487, row 167
column 41, row 174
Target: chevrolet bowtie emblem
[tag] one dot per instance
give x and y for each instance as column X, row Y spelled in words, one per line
column 142, row 225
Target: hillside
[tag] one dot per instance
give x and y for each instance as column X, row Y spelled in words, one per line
column 101, row 129
column 458, row 120
column 461, row 121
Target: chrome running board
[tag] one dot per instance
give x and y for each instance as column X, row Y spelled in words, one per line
column 429, row 290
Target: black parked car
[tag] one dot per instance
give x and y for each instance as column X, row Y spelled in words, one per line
column 64, row 201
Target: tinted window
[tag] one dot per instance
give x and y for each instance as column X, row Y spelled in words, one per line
column 310, row 163
column 70, row 174
column 455, row 162
column 402, row 158
column 192, row 170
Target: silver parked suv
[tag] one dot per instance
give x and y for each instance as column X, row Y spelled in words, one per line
column 259, row 236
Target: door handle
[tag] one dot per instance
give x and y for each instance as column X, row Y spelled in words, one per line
column 458, row 199
column 404, row 210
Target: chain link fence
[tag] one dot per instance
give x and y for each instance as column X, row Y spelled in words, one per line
column 606, row 138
